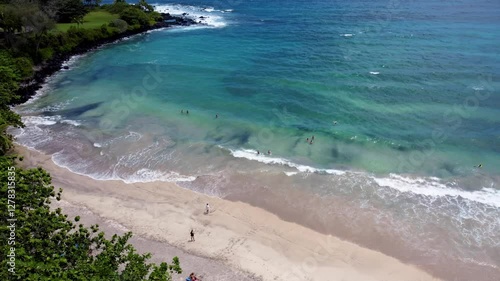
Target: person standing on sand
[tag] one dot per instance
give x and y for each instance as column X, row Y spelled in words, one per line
column 192, row 235
column 207, row 209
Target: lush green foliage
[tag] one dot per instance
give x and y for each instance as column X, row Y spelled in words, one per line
column 47, row 245
column 12, row 71
column 69, row 10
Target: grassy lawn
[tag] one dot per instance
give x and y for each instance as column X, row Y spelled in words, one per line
column 93, row 19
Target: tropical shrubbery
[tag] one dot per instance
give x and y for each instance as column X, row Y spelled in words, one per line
column 45, row 244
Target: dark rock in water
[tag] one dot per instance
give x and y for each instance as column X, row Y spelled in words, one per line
column 66, row 67
column 185, row 14
column 199, row 21
column 202, row 17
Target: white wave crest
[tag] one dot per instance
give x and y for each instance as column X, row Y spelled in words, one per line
column 207, row 16
column 40, row 120
column 148, row 175
column 434, row 188
column 252, row 155
column 72, row 122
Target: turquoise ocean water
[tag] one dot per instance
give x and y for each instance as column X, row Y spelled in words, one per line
column 402, row 98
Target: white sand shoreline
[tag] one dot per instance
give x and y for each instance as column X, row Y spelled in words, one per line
column 245, row 238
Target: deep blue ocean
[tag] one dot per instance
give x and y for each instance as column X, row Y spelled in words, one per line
column 402, row 98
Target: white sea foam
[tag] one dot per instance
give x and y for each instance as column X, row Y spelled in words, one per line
column 374, row 72
column 211, row 17
column 347, row 35
column 148, row 175
column 40, row 120
column 434, row 188
column 430, row 186
column 72, row 60
column 141, row 176
column 268, row 159
column 72, row 122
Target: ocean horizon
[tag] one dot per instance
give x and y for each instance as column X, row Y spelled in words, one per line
column 375, row 121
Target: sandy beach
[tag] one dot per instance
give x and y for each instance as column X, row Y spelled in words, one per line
column 235, row 240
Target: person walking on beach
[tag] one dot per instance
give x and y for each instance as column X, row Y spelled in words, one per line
column 207, row 209
column 192, row 235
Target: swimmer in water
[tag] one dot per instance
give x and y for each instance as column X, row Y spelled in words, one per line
column 216, row 116
column 479, row 166
column 182, row 111
column 258, row 152
column 334, row 122
column 312, row 138
column 307, row 140
column 311, row 142
column 187, row 111
column 269, row 152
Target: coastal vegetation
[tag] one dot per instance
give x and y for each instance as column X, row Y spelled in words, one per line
column 37, row 242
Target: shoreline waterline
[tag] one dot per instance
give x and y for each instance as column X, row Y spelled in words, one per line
column 242, row 236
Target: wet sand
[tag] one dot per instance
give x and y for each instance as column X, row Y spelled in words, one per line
column 234, row 240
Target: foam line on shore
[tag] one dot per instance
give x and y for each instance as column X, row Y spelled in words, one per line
column 434, row 188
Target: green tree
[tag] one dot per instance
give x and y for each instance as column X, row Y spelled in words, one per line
column 49, row 246
column 11, row 22
column 10, row 77
column 134, row 16
column 68, row 10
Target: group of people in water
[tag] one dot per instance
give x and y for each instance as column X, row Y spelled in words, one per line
column 311, row 141
column 187, row 112
column 268, row 152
